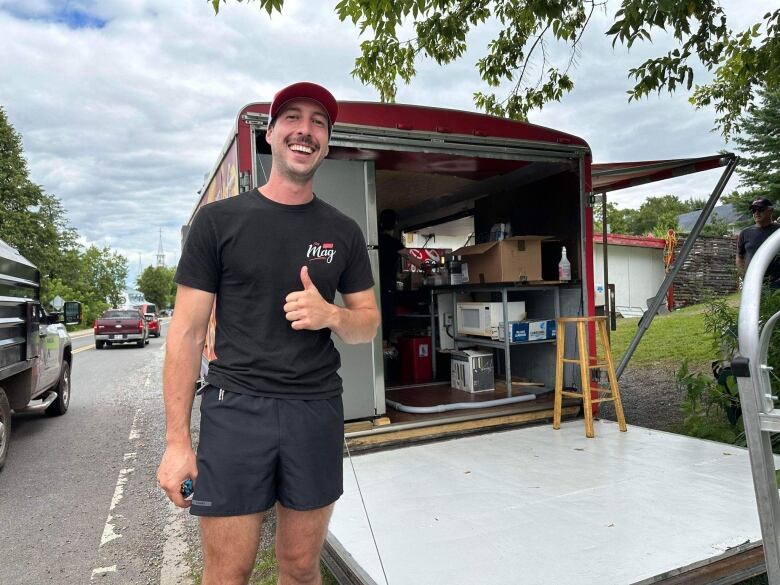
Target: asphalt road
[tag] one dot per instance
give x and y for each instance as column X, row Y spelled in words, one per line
column 79, row 502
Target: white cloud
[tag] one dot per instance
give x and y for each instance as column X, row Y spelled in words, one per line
column 121, row 119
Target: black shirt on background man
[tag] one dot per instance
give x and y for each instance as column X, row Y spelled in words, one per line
column 752, row 237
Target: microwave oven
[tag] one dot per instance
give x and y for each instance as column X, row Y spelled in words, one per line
column 478, row 318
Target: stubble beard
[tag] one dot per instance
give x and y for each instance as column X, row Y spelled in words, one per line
column 291, row 174
column 298, row 177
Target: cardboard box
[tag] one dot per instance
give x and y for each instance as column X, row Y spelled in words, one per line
column 521, row 331
column 472, row 370
column 515, row 259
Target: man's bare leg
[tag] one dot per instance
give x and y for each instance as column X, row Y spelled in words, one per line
column 299, row 539
column 229, row 548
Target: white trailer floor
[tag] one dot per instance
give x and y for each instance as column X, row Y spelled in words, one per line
column 537, row 506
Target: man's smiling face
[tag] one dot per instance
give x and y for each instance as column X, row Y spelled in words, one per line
column 298, row 137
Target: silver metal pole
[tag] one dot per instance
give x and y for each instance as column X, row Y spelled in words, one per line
column 649, row 315
column 755, row 394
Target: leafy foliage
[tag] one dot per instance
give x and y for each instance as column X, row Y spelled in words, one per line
column 704, row 405
column 741, row 201
column 742, row 61
column 655, row 216
column 760, row 171
column 35, row 223
column 156, row 282
column 721, row 320
column 31, row 221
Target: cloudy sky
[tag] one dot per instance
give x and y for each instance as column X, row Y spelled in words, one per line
column 124, row 105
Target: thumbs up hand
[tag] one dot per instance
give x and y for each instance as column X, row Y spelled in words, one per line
column 306, row 309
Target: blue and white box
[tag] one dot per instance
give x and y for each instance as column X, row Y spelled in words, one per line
column 530, row 330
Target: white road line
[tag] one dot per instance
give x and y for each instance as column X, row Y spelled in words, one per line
column 102, row 571
column 109, row 533
column 134, row 434
column 174, row 569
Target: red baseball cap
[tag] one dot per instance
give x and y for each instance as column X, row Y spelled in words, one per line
column 309, row 91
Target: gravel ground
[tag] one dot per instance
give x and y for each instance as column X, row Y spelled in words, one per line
column 650, row 398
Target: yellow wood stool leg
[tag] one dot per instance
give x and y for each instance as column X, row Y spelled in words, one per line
column 559, row 354
column 584, row 360
column 613, row 383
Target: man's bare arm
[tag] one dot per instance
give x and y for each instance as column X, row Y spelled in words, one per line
column 355, row 322
column 358, row 320
column 741, row 263
column 183, row 348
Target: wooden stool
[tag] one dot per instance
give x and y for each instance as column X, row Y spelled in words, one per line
column 583, row 361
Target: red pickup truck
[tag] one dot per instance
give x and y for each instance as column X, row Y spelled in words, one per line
column 121, row 326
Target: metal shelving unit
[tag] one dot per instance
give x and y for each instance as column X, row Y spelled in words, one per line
column 506, row 345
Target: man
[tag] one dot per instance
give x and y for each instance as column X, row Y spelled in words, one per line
column 752, row 237
column 390, row 249
column 271, row 427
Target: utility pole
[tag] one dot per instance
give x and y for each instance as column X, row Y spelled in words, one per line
column 160, row 253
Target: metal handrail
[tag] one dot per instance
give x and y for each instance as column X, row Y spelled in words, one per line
column 748, row 324
column 757, row 402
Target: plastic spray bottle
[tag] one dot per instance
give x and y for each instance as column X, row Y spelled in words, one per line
column 564, row 267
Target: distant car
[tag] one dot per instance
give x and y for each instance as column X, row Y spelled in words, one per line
column 121, row 326
column 153, row 323
column 149, row 311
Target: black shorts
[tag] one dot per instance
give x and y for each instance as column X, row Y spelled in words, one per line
column 255, row 451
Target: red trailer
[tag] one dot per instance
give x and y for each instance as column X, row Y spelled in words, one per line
column 437, row 167
column 487, row 508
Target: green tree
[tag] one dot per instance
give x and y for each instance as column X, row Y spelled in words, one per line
column 760, row 166
column 740, row 201
column 618, row 220
column 156, row 282
column 96, row 281
column 103, row 273
column 31, row 221
column 742, row 61
column 657, row 214
column 35, row 223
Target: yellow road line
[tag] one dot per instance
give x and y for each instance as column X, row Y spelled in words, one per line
column 85, row 348
column 81, row 334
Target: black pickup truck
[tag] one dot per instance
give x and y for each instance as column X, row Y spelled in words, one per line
column 35, row 348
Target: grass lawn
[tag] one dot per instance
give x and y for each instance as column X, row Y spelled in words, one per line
column 671, row 338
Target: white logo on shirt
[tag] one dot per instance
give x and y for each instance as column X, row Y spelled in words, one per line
column 318, row 251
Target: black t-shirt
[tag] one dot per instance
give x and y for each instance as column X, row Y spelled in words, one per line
column 748, row 242
column 388, row 261
column 249, row 250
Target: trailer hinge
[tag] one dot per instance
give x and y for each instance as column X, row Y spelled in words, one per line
column 244, row 182
column 591, row 199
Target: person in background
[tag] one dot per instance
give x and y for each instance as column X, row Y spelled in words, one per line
column 390, row 249
column 752, row 237
column 272, row 420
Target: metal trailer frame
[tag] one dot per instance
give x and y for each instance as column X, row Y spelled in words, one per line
column 759, row 414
